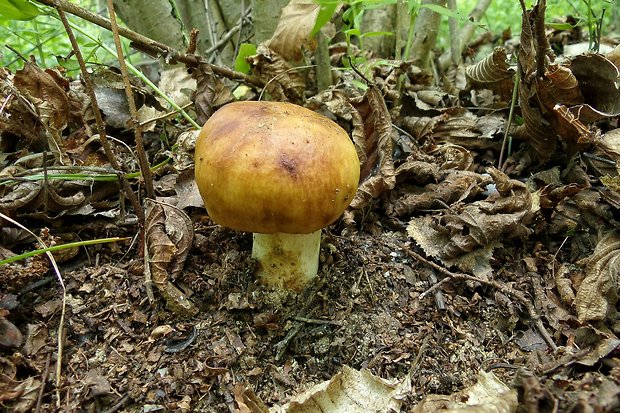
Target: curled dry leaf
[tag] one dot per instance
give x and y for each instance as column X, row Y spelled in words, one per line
column 531, row 61
column 294, row 29
column 465, row 236
column 211, row 92
column 599, row 79
column 57, row 197
column 51, row 102
column 571, row 128
column 169, row 236
column 610, row 145
column 493, row 73
column 284, row 82
column 561, row 86
column 374, row 147
column 422, row 128
column 598, row 293
column 455, row 186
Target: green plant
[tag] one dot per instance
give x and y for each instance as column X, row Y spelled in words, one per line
column 59, row 248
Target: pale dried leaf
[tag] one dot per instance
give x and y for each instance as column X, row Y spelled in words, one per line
column 610, row 144
column 493, row 73
column 422, row 128
column 28, row 391
column 247, row 401
column 350, row 391
column 598, row 293
column 492, row 68
column 293, row 30
column 488, row 395
column 433, row 242
column 454, row 186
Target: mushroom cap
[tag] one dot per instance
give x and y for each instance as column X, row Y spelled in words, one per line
column 272, row 167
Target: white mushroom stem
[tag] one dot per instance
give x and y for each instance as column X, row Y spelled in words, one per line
column 287, row 261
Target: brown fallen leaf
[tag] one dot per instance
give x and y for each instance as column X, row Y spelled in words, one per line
column 10, row 336
column 292, row 33
column 598, row 293
column 51, row 102
column 493, row 72
column 374, row 148
column 466, row 235
column 282, row 81
column 169, row 236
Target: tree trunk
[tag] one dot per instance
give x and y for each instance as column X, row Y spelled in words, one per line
column 425, row 33
column 266, row 14
column 213, row 18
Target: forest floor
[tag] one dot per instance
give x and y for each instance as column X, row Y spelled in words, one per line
column 449, row 284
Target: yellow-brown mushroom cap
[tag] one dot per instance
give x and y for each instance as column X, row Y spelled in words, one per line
column 272, row 167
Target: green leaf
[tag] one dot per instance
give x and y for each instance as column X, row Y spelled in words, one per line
column 359, row 84
column 413, row 5
column 18, row 10
column 444, row 11
column 561, row 26
column 353, row 32
column 325, row 14
column 245, row 50
column 375, row 34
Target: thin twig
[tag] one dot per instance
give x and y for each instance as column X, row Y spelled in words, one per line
column 494, row 284
column 513, row 104
column 133, row 112
column 46, row 372
column 118, row 405
column 317, row 321
column 228, row 35
column 61, row 323
column 88, row 83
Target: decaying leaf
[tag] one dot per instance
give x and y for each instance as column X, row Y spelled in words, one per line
column 571, row 128
column 23, row 393
column 294, row 28
column 51, row 102
column 375, row 150
column 211, row 92
column 532, row 61
column 454, row 186
column 247, row 401
column 284, row 82
column 599, row 81
column 598, row 293
column 466, row 235
column 422, row 128
column 487, row 395
column 169, row 236
column 610, row 145
column 350, row 391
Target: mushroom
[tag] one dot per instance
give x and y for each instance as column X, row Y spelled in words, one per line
column 282, row 172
